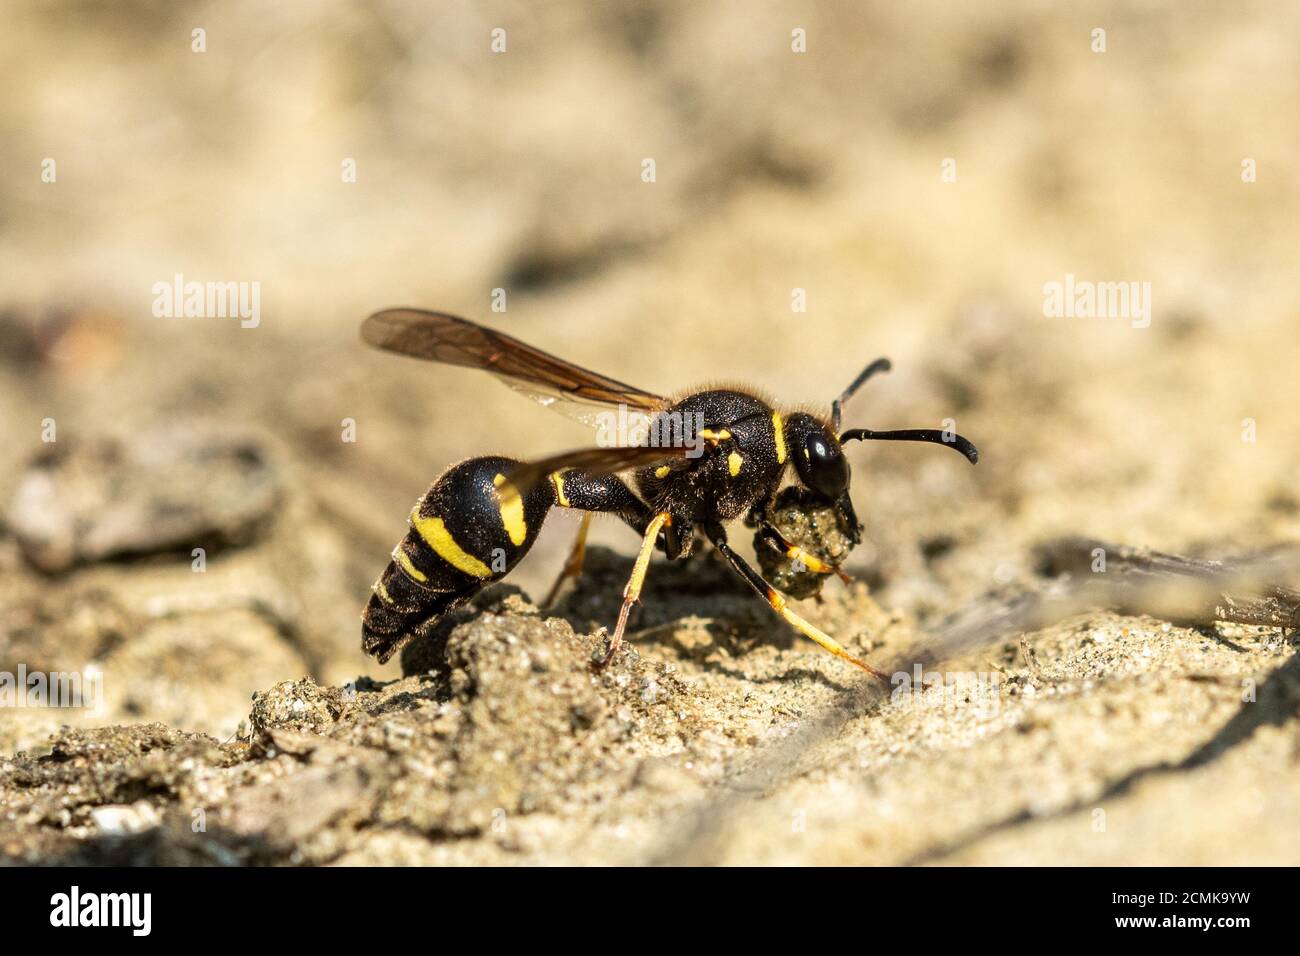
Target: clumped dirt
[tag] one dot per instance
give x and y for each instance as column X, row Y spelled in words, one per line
column 195, row 510
column 819, row 530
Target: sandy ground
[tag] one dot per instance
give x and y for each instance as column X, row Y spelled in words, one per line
column 240, row 722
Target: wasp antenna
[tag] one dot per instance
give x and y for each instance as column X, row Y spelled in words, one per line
column 951, row 439
column 881, row 364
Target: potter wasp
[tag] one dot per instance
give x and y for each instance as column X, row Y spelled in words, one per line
column 705, row 458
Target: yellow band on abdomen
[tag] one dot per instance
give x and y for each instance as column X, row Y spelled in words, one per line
column 512, row 510
column 404, row 562
column 434, row 533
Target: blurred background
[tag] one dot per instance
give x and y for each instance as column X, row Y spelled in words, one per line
column 916, row 175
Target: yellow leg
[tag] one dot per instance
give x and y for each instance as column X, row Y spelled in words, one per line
column 821, row 637
column 632, row 593
column 796, row 553
column 815, row 564
column 809, row 561
column 718, row 536
column 572, row 566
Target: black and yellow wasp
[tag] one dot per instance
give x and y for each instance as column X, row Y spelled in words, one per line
column 728, row 453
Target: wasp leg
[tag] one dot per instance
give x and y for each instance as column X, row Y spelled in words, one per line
column 632, row 593
column 573, row 566
column 718, row 536
column 677, row 539
column 774, row 538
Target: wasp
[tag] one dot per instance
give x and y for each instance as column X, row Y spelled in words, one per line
column 706, row 458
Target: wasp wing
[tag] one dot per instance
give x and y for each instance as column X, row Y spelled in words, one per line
column 544, row 378
column 594, row 461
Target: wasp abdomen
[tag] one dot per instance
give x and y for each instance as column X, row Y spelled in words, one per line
column 470, row 529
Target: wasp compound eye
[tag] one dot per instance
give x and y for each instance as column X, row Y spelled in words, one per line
column 818, row 457
column 828, row 469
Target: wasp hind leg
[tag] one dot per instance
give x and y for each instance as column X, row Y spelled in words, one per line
column 632, row 593
column 572, row 569
column 608, row 494
column 718, row 536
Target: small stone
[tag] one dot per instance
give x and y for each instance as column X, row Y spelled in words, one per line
column 124, row 819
